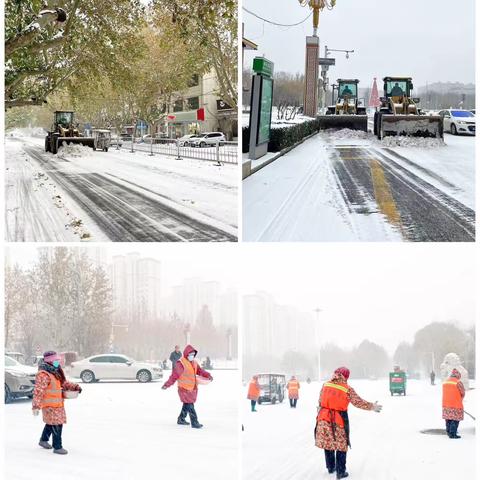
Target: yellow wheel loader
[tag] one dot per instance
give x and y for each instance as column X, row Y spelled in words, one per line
column 64, row 130
column 399, row 113
column 347, row 111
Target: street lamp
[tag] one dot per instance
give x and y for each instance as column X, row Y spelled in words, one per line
column 316, row 6
column 346, row 52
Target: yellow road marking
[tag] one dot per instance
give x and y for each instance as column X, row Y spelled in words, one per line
column 383, row 194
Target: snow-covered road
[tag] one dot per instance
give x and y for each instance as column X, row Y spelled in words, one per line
column 116, row 196
column 128, row 431
column 348, row 186
column 278, row 441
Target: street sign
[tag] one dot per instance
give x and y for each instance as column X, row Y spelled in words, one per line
column 326, row 61
column 263, row 66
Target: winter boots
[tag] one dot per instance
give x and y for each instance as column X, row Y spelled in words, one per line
column 197, row 425
column 182, row 421
column 45, row 445
column 342, row 475
column 60, row 451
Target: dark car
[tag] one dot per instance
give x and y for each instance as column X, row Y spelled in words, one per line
column 19, row 380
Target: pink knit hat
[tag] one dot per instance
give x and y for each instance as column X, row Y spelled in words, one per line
column 51, row 356
column 343, row 371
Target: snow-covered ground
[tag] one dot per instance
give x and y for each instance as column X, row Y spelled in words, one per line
column 117, row 196
column 278, row 441
column 127, row 431
column 348, row 186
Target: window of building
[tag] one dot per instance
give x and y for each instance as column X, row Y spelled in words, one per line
column 178, row 106
column 193, row 103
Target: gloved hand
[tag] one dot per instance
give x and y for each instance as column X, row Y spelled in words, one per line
column 164, row 387
column 35, row 412
column 377, row 408
column 79, row 389
column 211, row 378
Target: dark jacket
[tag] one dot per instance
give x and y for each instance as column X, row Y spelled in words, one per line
column 175, row 357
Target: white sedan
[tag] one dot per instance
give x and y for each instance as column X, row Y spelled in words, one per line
column 458, row 121
column 114, row 367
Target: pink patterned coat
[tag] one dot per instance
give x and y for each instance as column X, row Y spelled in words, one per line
column 324, row 436
column 51, row 415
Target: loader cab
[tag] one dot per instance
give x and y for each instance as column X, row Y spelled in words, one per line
column 397, row 86
column 64, row 119
column 347, row 88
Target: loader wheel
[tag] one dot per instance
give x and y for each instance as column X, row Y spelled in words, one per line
column 375, row 123
column 453, row 129
column 47, row 144
column 54, row 145
column 105, row 149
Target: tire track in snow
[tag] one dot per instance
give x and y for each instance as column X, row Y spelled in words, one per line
column 126, row 214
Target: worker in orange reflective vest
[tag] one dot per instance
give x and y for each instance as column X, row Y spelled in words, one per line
column 293, row 386
column 50, row 384
column 452, row 403
column 185, row 374
column 332, row 431
column 253, row 392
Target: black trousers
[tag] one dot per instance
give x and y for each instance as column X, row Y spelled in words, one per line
column 189, row 409
column 336, row 460
column 253, row 403
column 293, row 402
column 54, row 431
column 451, row 427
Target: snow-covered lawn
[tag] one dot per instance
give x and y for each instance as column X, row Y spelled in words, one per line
column 278, row 441
column 192, row 189
column 306, row 195
column 128, row 431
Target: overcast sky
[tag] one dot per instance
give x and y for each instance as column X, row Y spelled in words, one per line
column 383, row 292
column 179, row 261
column 429, row 40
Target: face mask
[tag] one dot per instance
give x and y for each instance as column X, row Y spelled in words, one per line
column 56, row 363
column 191, row 356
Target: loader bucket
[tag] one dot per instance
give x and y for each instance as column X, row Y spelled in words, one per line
column 86, row 141
column 337, row 122
column 411, row 126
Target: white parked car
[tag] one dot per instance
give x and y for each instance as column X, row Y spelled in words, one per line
column 113, row 366
column 208, row 139
column 187, row 139
column 458, row 121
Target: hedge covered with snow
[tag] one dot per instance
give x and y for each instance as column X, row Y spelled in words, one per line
column 284, row 137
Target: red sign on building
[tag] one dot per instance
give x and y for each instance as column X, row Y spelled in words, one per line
column 201, row 114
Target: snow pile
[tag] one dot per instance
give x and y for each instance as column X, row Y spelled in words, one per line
column 26, row 132
column 74, row 150
column 346, row 133
column 421, row 142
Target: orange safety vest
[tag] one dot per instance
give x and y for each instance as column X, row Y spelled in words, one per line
column 452, row 397
column 293, row 387
column 53, row 395
column 253, row 390
column 187, row 379
column 334, row 399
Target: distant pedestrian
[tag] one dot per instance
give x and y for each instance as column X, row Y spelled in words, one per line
column 452, row 403
column 332, row 431
column 253, row 392
column 50, row 384
column 175, row 356
column 185, row 374
column 432, row 378
column 293, row 386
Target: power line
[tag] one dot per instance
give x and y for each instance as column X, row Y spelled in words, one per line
column 275, row 23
